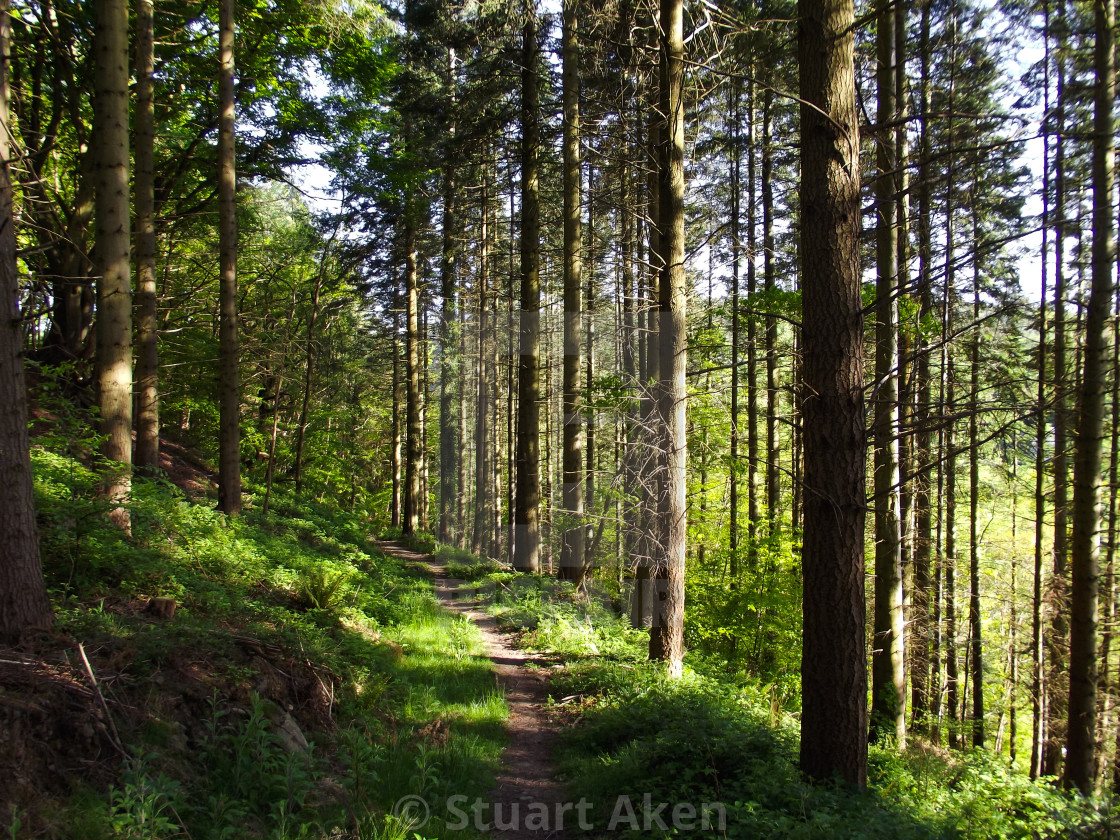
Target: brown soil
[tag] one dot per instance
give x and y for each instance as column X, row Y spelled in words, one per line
column 185, row 470
column 59, row 727
column 528, row 774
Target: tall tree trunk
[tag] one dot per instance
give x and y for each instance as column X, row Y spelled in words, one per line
column 888, row 667
column 229, row 386
column 666, row 639
column 1038, row 662
column 923, row 703
column 1057, row 640
column 395, row 466
column 450, row 369
column 526, row 515
column 974, row 630
column 113, row 221
column 1110, row 676
column 1085, row 557
column 481, row 542
column 753, row 511
column 949, row 457
column 413, row 437
column 833, row 665
column 23, row 595
column 425, row 390
column 589, row 371
column 949, row 423
column 769, row 281
column 572, row 546
column 630, row 339
column 649, row 477
column 734, row 93
column 147, row 349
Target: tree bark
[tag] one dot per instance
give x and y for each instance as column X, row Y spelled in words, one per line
column 450, row 369
column 976, row 647
column 23, row 595
column 734, row 93
column 769, row 282
column 395, row 466
column 483, row 522
column 526, row 516
column 1038, row 662
column 147, row 349
column 1057, row 640
column 923, row 703
column 888, row 671
column 1085, row 555
column 229, row 388
column 834, row 676
column 666, row 640
column 572, row 546
column 113, row 224
column 410, row 516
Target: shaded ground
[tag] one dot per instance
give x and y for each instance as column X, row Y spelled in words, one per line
column 527, row 780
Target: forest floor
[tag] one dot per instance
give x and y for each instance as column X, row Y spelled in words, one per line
column 528, row 772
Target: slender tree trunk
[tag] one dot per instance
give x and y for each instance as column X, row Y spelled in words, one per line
column 666, row 639
column 113, row 220
column 769, row 280
column 526, row 516
column 572, row 546
column 229, row 388
column 1110, row 679
column 888, row 670
column 949, row 456
column 949, row 409
column 834, row 675
column 461, row 501
column 425, row 390
column 482, row 541
column 630, row 339
column 753, row 511
column 450, row 369
column 1085, row 556
column 974, row 630
column 147, row 350
column 923, row 703
column 649, row 478
column 1057, row 640
column 413, row 451
column 1038, row 662
column 395, row 505
column 23, row 595
column 592, row 419
column 735, row 92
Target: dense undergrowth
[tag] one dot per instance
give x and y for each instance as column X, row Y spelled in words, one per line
column 637, row 744
column 304, row 684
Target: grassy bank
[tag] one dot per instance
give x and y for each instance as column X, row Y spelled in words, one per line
column 265, row 676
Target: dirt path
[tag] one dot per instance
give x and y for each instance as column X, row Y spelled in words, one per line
column 528, row 775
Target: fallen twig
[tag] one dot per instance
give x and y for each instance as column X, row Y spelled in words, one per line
column 114, row 736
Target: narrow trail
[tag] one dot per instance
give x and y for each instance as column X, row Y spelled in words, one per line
column 528, row 774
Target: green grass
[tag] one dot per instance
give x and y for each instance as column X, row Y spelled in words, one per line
column 721, row 737
column 294, row 618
